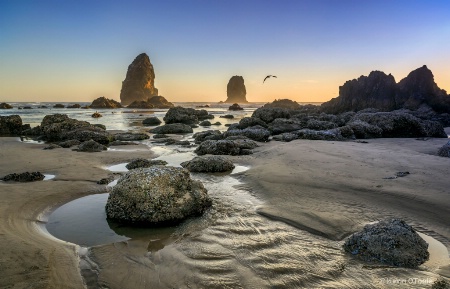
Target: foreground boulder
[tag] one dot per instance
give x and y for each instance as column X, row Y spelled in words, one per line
column 91, row 146
column 444, row 151
column 103, row 102
column 139, row 83
column 144, row 163
column 208, row 164
column 236, row 91
column 391, row 242
column 226, row 147
column 11, row 124
column 156, row 196
column 151, row 121
column 172, row 128
column 24, row 177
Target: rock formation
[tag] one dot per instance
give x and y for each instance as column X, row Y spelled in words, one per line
column 160, row 102
column 139, row 83
column 5, row 105
column 103, row 102
column 156, row 195
column 236, row 90
column 208, row 164
column 24, row 177
column 11, row 124
column 144, row 163
column 380, row 91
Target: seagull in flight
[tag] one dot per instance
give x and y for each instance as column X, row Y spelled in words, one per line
column 269, row 76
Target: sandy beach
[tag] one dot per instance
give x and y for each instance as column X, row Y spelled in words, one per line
column 329, row 189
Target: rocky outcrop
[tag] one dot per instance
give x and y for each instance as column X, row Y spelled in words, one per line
column 96, row 115
column 11, row 124
column 144, row 163
column 186, row 115
column 236, row 91
column 226, row 147
column 391, row 242
column 91, row 146
column 205, row 123
column 139, row 83
column 140, row 104
column 58, row 105
column 444, row 151
column 269, row 114
column 235, row 106
column 380, row 91
column 283, row 103
column 207, row 135
column 69, row 143
column 208, row 164
column 155, row 196
column 151, row 121
column 76, row 105
column 24, row 177
column 103, row 102
column 174, row 128
column 256, row 133
column 229, row 116
column 160, row 102
column 4, row 105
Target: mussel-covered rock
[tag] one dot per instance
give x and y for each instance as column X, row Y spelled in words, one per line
column 156, row 195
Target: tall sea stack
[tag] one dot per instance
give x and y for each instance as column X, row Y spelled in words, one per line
column 139, row 84
column 236, row 90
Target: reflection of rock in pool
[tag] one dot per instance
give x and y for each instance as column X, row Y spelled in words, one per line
column 157, row 238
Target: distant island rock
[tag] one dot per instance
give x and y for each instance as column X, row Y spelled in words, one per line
column 236, row 91
column 153, row 102
column 139, row 83
column 103, row 102
column 380, row 91
column 5, row 105
column 58, row 105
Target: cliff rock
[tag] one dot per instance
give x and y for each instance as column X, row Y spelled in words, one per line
column 236, row 90
column 139, row 84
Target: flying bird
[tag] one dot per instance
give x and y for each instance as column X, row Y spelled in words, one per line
column 268, row 76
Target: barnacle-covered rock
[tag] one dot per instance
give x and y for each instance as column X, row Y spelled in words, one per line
column 155, row 196
column 391, row 242
column 208, row 164
column 144, row 163
column 226, row 147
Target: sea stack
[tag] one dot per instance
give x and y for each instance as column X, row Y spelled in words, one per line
column 139, row 84
column 236, row 90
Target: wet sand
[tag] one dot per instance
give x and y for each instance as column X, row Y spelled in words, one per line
column 329, row 189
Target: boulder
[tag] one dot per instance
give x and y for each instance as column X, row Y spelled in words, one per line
column 320, row 125
column 205, row 123
column 106, row 180
column 283, row 103
column 52, row 146
column 256, row 133
column 129, row 136
column 156, row 136
column 235, row 106
column 76, row 105
column 332, row 134
column 236, row 91
column 251, row 121
column 151, row 121
column 122, row 143
column 139, row 83
column 96, row 115
column 144, row 163
column 217, row 123
column 208, row 164
column 207, row 135
column 140, row 104
column 24, row 177
column 282, row 125
column 69, row 143
column 391, row 242
column 4, row 105
column 363, row 130
column 444, row 151
column 285, row 137
column 180, row 114
column 156, row 195
column 87, row 133
column 103, row 102
column 91, row 146
column 11, row 124
column 269, row 114
column 174, row 128
column 58, row 105
column 226, row 147
column 229, row 116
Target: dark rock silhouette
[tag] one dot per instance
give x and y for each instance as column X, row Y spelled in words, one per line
column 58, row 105
column 208, row 164
column 235, row 106
column 11, row 124
column 5, row 105
column 103, row 102
column 24, row 177
column 380, row 91
column 283, row 103
column 160, row 102
column 236, row 91
column 76, row 105
column 139, row 83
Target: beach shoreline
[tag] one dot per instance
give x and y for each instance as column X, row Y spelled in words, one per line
column 326, row 204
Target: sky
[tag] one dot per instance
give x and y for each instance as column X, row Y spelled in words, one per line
column 77, row 50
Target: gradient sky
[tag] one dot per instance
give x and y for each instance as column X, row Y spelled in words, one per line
column 79, row 50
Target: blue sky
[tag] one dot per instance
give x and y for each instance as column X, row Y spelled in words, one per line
column 80, row 50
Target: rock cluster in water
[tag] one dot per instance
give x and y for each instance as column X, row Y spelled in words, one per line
column 139, row 83
column 392, row 242
column 103, row 102
column 208, row 164
column 236, row 91
column 152, row 102
column 380, row 91
column 156, row 195
column 186, row 115
column 144, row 163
